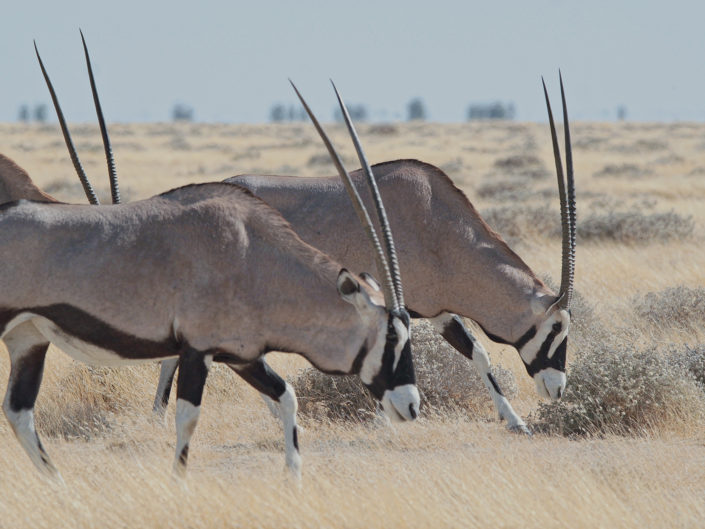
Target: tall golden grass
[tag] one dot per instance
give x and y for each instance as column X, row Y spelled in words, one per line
column 446, row 470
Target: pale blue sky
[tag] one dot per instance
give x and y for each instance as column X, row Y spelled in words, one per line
column 230, row 60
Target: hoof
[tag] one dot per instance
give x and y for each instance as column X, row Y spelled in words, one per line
column 520, row 429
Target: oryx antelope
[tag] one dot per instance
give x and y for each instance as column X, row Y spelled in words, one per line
column 457, row 264
column 15, row 184
column 203, row 272
column 454, row 264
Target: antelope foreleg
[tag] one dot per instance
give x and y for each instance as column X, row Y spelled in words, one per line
column 193, row 371
column 451, row 327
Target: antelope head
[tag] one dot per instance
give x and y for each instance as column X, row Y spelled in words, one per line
column 388, row 370
column 543, row 347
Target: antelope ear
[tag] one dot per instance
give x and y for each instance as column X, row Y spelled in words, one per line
column 371, row 281
column 348, row 286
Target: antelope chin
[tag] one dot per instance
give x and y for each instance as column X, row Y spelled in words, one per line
column 401, row 403
column 550, row 383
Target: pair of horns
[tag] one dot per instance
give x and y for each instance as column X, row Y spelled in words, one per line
column 387, row 266
column 87, row 187
column 566, row 190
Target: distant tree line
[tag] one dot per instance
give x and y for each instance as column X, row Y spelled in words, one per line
column 415, row 111
column 38, row 113
column 494, row 110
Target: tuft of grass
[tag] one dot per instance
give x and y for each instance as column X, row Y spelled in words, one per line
column 85, row 403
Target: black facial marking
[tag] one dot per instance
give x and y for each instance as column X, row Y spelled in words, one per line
column 192, row 376
column 412, row 411
column 359, row 358
column 26, row 377
column 557, row 361
column 260, row 376
column 458, row 336
column 296, row 438
column 528, row 335
column 387, row 377
column 494, row 384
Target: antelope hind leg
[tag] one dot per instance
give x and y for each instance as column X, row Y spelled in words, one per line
column 27, row 349
column 451, row 327
column 166, row 379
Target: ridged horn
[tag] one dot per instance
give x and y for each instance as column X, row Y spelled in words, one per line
column 114, row 190
column 379, row 206
column 87, row 187
column 566, row 191
column 390, row 298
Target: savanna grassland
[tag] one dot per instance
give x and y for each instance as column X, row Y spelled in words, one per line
column 626, row 447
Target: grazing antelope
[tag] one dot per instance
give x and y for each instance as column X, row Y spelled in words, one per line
column 454, row 264
column 204, row 273
column 459, row 267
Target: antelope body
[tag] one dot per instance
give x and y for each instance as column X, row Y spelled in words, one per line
column 454, row 263
column 204, row 272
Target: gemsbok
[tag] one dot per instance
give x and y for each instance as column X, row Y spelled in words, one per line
column 204, row 273
column 454, row 264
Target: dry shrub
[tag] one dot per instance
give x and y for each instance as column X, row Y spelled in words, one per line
column 628, row 170
column 692, row 360
column 383, row 129
column 617, row 389
column 679, row 307
column 522, row 165
column 506, row 190
column 323, row 159
column 635, row 227
column 515, row 223
column 447, row 382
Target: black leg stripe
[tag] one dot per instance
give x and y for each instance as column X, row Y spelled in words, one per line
column 494, row 384
column 296, row 438
column 26, row 378
column 458, row 336
column 183, row 456
column 263, row 378
column 192, row 376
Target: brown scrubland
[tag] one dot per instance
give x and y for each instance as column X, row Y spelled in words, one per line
column 624, row 448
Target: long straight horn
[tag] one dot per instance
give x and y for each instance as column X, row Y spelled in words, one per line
column 567, row 201
column 114, row 191
column 572, row 214
column 379, row 206
column 87, row 188
column 390, row 298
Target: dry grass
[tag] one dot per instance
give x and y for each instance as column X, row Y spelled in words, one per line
column 640, row 298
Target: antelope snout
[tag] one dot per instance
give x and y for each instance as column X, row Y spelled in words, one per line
column 401, row 403
column 550, row 383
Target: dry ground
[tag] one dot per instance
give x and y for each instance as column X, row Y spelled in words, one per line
column 641, row 189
